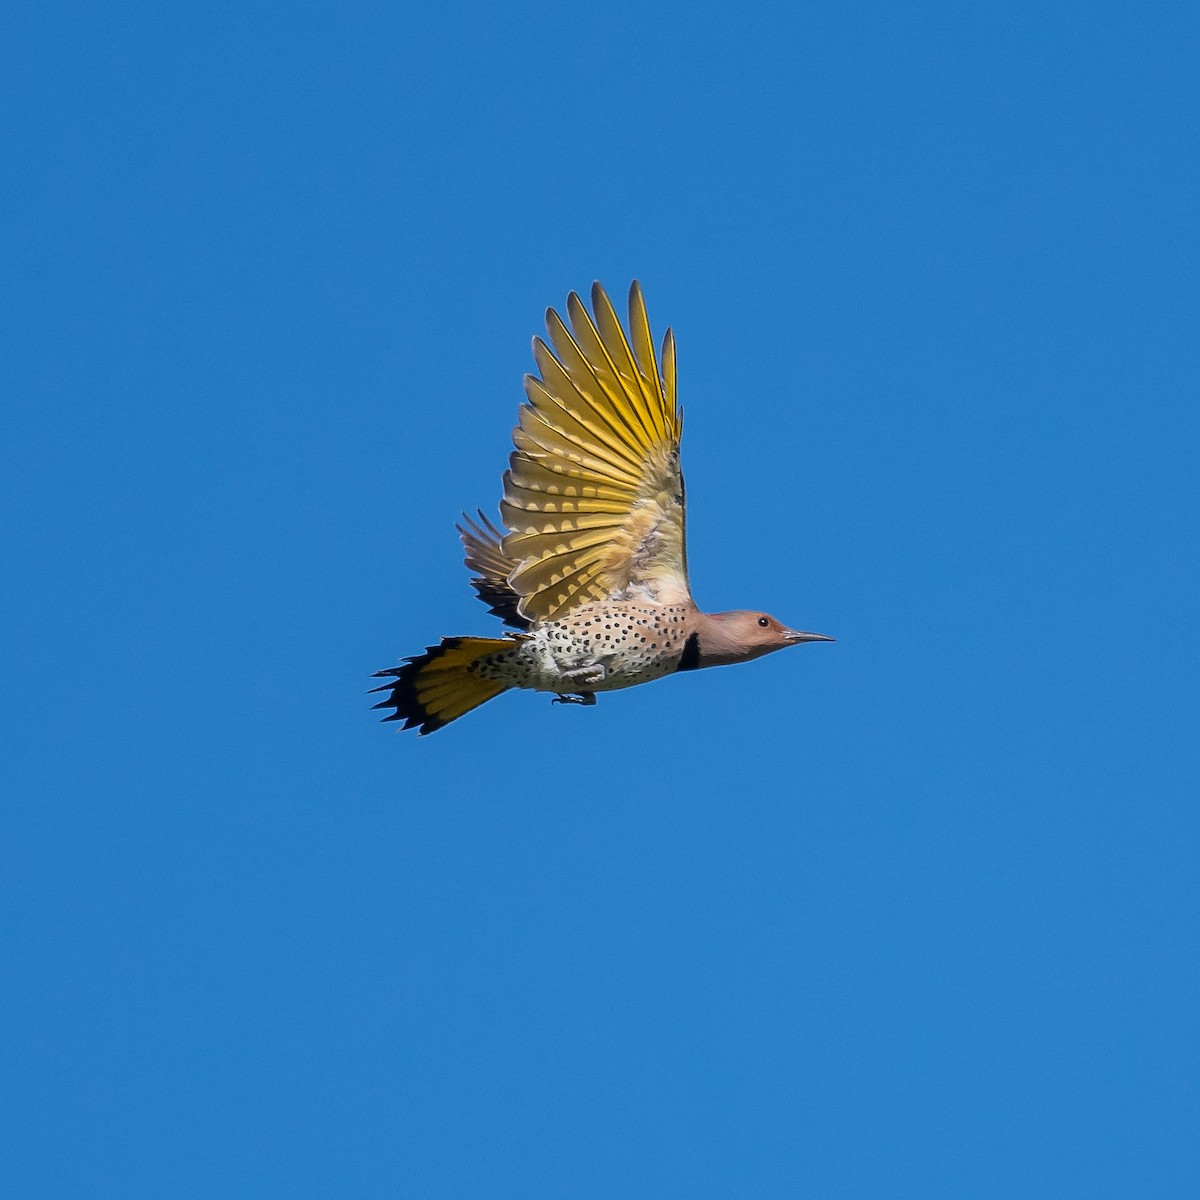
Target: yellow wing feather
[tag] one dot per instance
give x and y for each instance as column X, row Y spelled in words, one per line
column 593, row 497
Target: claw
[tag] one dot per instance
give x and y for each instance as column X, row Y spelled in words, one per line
column 584, row 698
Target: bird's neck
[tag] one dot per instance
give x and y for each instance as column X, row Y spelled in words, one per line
column 717, row 641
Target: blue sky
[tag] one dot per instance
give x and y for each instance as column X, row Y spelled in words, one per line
column 911, row 915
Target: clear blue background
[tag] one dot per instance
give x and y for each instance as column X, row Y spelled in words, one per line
column 914, row 915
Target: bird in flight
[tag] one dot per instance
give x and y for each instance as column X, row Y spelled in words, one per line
column 591, row 567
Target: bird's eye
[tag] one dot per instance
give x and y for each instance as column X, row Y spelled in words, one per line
column 763, row 622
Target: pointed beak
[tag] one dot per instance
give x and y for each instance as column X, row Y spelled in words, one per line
column 797, row 636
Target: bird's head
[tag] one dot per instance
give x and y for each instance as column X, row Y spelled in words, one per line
column 732, row 637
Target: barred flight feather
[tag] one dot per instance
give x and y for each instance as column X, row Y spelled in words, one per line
column 593, row 498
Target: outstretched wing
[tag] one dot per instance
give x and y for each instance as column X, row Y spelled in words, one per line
column 481, row 540
column 593, row 496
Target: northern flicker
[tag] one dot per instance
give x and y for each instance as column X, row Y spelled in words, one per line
column 592, row 570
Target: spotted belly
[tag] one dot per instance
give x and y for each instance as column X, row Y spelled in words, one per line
column 633, row 643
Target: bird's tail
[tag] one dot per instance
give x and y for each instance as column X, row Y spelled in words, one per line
column 437, row 687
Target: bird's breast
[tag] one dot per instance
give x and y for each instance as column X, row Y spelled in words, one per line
column 634, row 643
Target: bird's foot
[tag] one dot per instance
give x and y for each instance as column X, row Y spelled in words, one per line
column 585, row 698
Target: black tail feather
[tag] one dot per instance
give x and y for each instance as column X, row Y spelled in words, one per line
column 403, row 694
